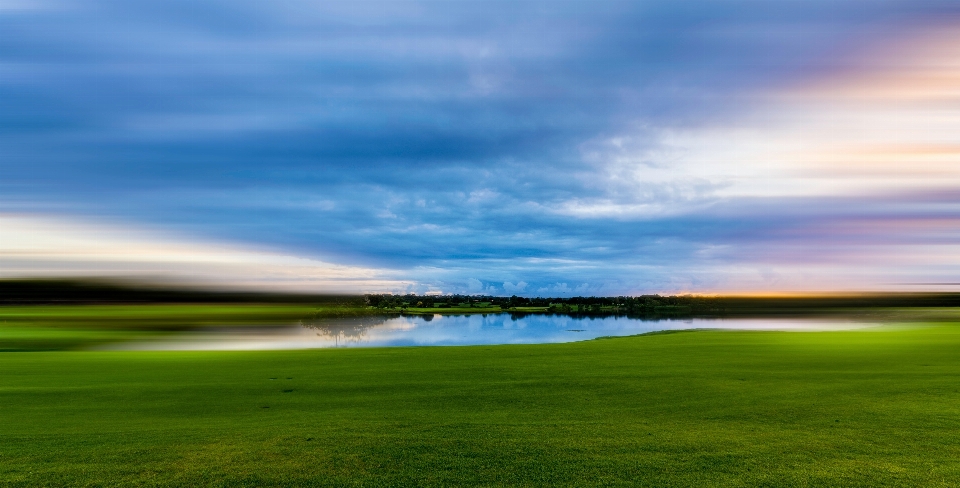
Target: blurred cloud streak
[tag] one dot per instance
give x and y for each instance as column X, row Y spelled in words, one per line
column 38, row 246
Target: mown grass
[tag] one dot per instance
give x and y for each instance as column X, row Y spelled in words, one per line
column 720, row 408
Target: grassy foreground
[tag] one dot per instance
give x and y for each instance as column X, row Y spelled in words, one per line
column 866, row 408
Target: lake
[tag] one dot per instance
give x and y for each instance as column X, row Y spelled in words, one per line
column 461, row 330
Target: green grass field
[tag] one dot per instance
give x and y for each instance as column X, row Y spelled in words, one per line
column 864, row 408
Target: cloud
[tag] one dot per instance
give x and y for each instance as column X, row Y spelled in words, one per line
column 34, row 245
column 514, row 288
column 474, row 285
column 628, row 147
column 556, row 289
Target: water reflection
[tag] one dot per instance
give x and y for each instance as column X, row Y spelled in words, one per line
column 450, row 330
column 345, row 330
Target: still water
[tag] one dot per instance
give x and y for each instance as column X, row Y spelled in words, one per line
column 459, row 330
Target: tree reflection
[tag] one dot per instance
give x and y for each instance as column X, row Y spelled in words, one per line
column 347, row 329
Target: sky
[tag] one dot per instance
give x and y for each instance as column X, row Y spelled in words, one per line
column 531, row 148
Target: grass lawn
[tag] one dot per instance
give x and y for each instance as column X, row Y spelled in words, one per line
column 723, row 408
column 530, row 309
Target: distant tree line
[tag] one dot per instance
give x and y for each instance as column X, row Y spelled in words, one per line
column 672, row 306
column 623, row 305
column 80, row 291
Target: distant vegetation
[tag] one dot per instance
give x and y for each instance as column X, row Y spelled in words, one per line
column 64, row 292
column 652, row 306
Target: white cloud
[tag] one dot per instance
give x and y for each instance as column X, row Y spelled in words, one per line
column 888, row 126
column 558, row 288
column 514, row 288
column 38, row 246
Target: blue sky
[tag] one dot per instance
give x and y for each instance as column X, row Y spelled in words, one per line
column 537, row 148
